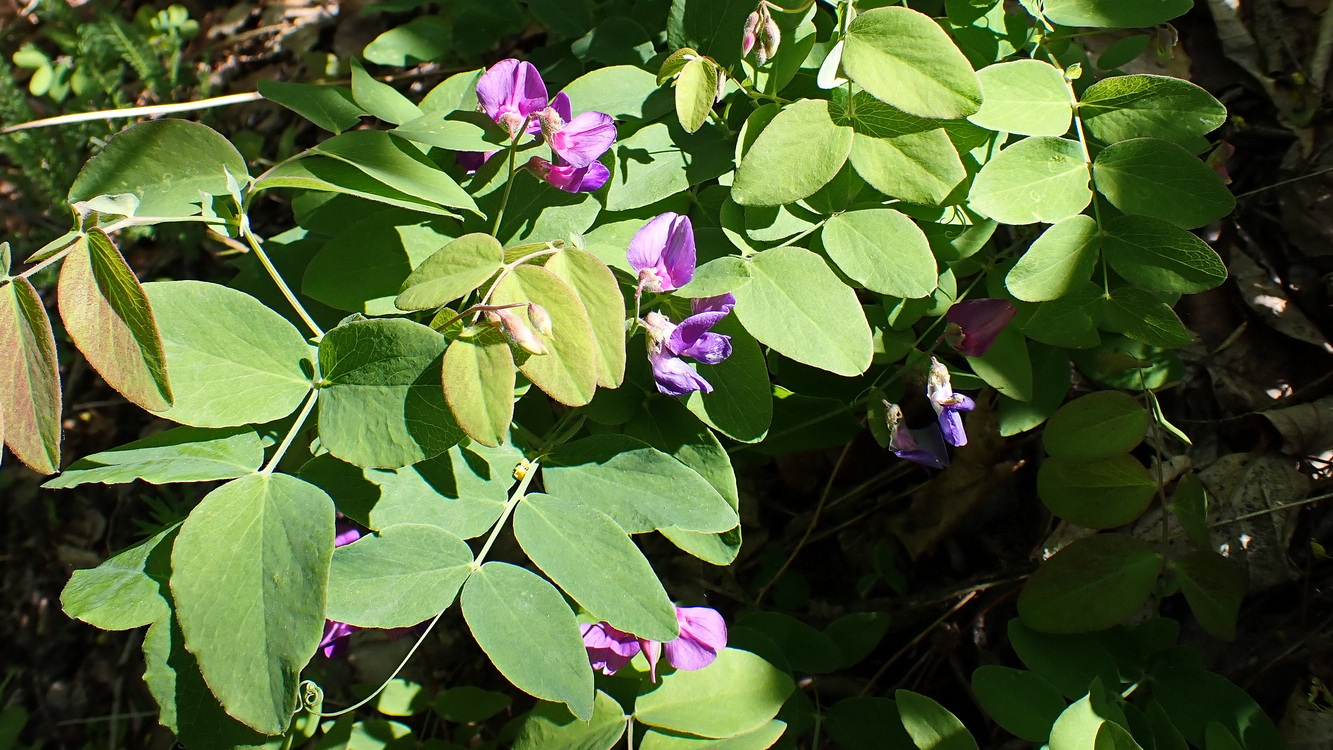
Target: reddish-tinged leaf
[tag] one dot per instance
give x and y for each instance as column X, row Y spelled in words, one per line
column 29, row 378
column 107, row 314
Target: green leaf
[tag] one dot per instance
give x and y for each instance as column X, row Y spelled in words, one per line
column 530, row 635
column 456, row 131
column 538, row 212
column 1190, row 506
column 638, row 486
column 331, row 175
column 804, row 648
column 183, row 454
column 1194, row 698
column 1026, row 97
column 1061, row 259
column 329, row 107
column 598, row 290
column 1216, row 737
column 29, row 378
column 1157, row 178
column 1037, row 179
column 384, row 404
column 588, row 555
column 1098, row 494
column 187, row 706
column 900, row 155
column 718, row 276
column 931, row 725
column 108, row 315
column 550, row 726
column 125, row 591
column 478, row 379
column 1078, row 726
column 1119, row 108
column 1090, row 585
column 165, row 163
column 760, row 739
column 1114, row 737
column 622, row 91
column 1143, row 317
column 235, row 361
column 457, row 93
column 462, row 490
column 661, row 160
column 1050, row 385
column 452, row 272
column 568, row 373
column 1159, row 256
column 736, row 694
column 799, row 151
column 401, row 697
column 867, row 724
column 1123, row 51
column 393, row 162
column 882, row 250
column 1096, row 426
column 423, row 39
column 1214, row 588
column 1114, row 14
column 1069, row 320
column 1069, row 662
column 857, row 634
column 796, row 305
column 466, row 704
column 905, row 59
column 741, row 404
column 398, row 577
column 1021, row 702
column 696, row 89
column 713, row 27
column 249, row 571
column 1006, row 366
column 381, row 99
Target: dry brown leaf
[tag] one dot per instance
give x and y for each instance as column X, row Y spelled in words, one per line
column 1241, row 484
column 1270, row 302
column 1307, row 429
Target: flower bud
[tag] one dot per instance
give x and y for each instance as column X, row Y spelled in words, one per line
column 748, row 38
column 540, row 319
column 768, row 40
column 518, row 332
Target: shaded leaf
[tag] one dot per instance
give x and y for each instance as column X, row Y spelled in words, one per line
column 183, row 454
column 1092, row 584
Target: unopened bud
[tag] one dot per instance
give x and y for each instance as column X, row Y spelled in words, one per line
column 769, row 40
column 518, row 332
column 748, row 38
column 540, row 319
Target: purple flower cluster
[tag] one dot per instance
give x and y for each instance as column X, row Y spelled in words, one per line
column 511, row 93
column 663, row 254
column 703, row 633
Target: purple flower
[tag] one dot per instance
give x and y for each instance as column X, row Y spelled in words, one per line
column 338, row 634
column 569, row 178
column 947, row 404
column 668, row 342
column 924, row 446
column 974, row 324
column 576, row 141
column 703, row 633
column 510, row 91
column 663, row 253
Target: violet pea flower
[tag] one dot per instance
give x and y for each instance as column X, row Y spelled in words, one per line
column 569, row 178
column 668, row 342
column 975, row 323
column 576, row 141
column 663, row 253
column 703, row 633
column 947, row 404
column 924, row 446
column 511, row 91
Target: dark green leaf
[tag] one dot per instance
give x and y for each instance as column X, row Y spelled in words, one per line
column 1143, row 317
column 1159, row 256
column 1099, row 495
column 401, row 576
column 329, row 107
column 1119, row 108
column 1022, row 702
column 1096, row 426
column 550, row 726
column 1090, row 585
column 1157, row 178
column 741, row 404
column 931, row 725
column 1214, row 588
column 183, row 454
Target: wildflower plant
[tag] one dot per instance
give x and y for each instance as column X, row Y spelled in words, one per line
column 557, row 317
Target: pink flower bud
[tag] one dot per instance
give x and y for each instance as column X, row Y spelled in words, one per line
column 518, row 332
column 540, row 319
column 748, row 39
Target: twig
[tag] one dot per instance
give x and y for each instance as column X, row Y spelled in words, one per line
column 149, row 111
column 1284, row 182
column 919, row 637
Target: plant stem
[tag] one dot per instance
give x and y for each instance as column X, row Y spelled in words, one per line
column 509, row 180
column 291, row 434
column 514, row 499
column 282, row 285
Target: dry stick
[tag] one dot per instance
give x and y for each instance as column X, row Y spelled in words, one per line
column 152, row 110
column 814, row 521
column 893, row 659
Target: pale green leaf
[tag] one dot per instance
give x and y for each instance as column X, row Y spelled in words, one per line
column 452, row 272
column 1038, row 179
column 398, row 577
column 568, row 373
column 931, row 725
column 906, row 60
column 661, row 160
column 901, row 155
column 736, row 694
column 1118, row 108
column 478, row 379
column 331, row 175
column 1026, row 97
column 882, row 250
column 799, row 151
column 1062, row 258
column 183, row 454
column 1114, row 14
column 248, row 575
column 696, row 88
column 530, row 635
column 550, row 726
column 379, row 98
column 456, row 131
column 393, row 162
column 598, row 290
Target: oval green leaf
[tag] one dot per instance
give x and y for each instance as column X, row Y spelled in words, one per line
column 1022, row 702
column 1214, row 588
column 568, row 373
column 598, row 290
column 183, row 454
column 797, row 154
column 930, row 725
column 1026, row 97
column 478, row 379
column 1096, row 426
column 1100, row 494
column 1160, row 256
column 398, row 577
column 1061, row 258
column 905, row 59
column 1119, row 108
column 1091, row 585
column 451, row 272
column 1114, row 14
column 1037, row 179
column 1158, row 178
column 736, row 694
column 882, row 250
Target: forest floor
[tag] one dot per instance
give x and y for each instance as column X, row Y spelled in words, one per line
column 1256, row 400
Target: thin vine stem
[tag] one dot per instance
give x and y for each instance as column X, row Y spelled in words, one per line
column 509, row 181
column 287, row 292
column 514, row 499
column 291, row 434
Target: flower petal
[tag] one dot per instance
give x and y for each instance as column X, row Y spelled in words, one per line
column 951, row 425
column 720, row 303
column 584, row 139
column 980, row 322
column 692, row 331
column 648, row 244
column 674, row 377
column 678, row 257
column 511, row 87
column 578, row 179
column 704, row 625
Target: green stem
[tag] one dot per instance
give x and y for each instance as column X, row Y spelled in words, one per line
column 509, row 180
column 514, row 499
column 291, row 434
column 282, row 285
